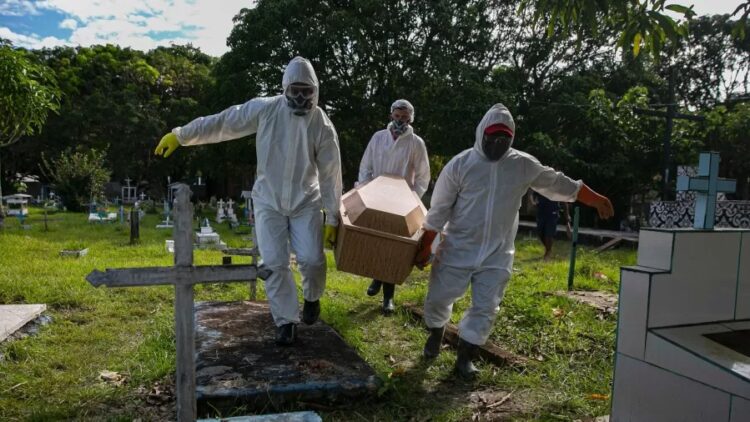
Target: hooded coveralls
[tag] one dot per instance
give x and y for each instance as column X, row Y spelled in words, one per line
column 405, row 157
column 475, row 203
column 298, row 174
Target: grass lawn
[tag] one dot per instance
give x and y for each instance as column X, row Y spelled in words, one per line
column 54, row 374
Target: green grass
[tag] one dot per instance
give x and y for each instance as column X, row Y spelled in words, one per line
column 53, row 375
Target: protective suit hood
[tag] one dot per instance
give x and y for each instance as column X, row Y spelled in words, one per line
column 498, row 113
column 300, row 70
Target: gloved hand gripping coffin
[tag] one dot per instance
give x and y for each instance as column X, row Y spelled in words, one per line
column 380, row 230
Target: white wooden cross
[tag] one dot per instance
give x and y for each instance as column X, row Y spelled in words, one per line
column 230, row 203
column 183, row 276
column 706, row 185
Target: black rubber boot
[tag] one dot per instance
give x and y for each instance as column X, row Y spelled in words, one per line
column 388, row 305
column 311, row 312
column 466, row 353
column 374, row 288
column 286, row 334
column 432, row 345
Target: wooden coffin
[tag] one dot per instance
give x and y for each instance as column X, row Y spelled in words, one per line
column 380, row 229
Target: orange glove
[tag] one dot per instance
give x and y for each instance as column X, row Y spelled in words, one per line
column 594, row 200
column 425, row 249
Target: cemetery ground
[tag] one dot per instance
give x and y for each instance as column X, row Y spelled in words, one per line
column 108, row 354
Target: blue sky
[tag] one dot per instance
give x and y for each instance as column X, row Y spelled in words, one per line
column 143, row 24
column 146, row 24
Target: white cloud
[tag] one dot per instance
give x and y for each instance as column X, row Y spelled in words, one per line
column 17, row 8
column 32, row 41
column 204, row 23
column 69, row 24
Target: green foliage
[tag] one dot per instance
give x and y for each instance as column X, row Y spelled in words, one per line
column 28, row 93
column 641, row 24
column 729, row 133
column 77, row 176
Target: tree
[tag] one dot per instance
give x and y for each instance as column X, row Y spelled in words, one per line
column 438, row 54
column 77, row 176
column 122, row 101
column 728, row 131
column 28, row 93
column 642, row 24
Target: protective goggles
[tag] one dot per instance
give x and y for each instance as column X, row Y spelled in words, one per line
column 304, row 91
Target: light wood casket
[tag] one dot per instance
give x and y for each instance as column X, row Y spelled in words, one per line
column 380, row 229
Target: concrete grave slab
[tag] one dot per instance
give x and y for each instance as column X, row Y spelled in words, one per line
column 13, row 317
column 238, row 363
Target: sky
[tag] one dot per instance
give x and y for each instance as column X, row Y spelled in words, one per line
column 147, row 24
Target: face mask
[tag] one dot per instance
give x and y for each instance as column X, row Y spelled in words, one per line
column 398, row 127
column 495, row 146
column 299, row 99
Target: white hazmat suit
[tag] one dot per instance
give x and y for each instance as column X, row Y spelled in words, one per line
column 405, row 156
column 475, row 203
column 298, row 174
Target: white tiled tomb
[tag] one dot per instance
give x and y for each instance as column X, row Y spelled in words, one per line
column 683, row 339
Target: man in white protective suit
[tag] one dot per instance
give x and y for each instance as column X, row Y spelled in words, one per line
column 475, row 204
column 298, row 174
column 398, row 151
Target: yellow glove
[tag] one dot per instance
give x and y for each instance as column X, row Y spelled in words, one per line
column 167, row 145
column 329, row 236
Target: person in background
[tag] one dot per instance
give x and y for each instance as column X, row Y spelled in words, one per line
column 547, row 215
column 396, row 150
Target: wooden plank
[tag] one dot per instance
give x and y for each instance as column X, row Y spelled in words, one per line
column 187, row 410
column 151, row 276
column 609, row 244
column 489, row 351
column 240, row 251
column 185, row 348
column 183, row 228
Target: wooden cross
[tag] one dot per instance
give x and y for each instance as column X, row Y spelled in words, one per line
column 706, row 185
column 183, row 276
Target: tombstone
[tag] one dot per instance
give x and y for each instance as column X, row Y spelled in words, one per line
column 683, row 338
column 142, row 196
column 680, row 213
column 17, row 204
column 14, row 317
column 207, row 238
column 230, row 212
column 705, row 186
column 380, row 229
column 166, row 223
column 98, row 214
column 135, row 226
column 128, row 192
column 183, row 276
column 219, row 348
column 220, row 213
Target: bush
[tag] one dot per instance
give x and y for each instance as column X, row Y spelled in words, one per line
column 77, row 177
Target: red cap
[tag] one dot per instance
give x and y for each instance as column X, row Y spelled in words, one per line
column 498, row 127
